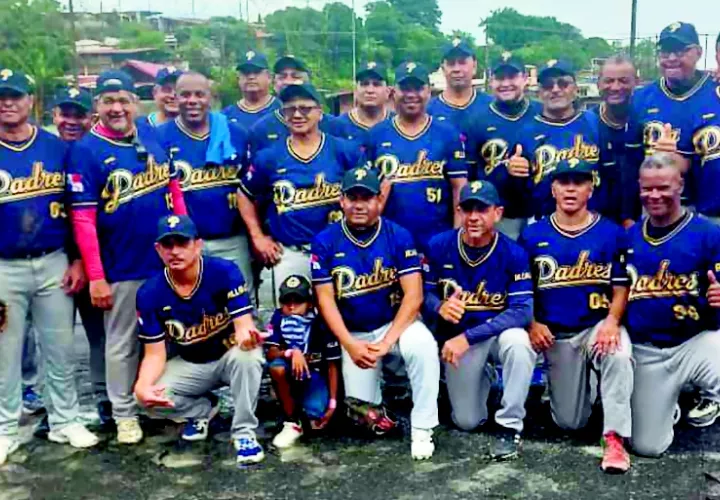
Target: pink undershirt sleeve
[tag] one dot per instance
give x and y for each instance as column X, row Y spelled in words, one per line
column 84, row 222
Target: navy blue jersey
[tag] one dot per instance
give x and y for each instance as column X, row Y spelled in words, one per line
column 442, row 110
column 545, row 143
column 574, row 273
column 612, row 150
column 490, row 283
column 419, row 169
column 365, row 273
column 272, row 128
column 305, row 192
column 491, row 137
column 667, row 303
column 706, row 162
column 241, row 115
column 32, row 196
column 348, row 126
column 130, row 192
column 209, row 190
column 308, row 334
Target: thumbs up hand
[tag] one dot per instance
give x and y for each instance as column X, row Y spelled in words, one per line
column 713, row 293
column 453, row 308
column 518, row 166
column 666, row 143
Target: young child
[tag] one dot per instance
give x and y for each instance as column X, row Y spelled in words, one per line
column 304, row 361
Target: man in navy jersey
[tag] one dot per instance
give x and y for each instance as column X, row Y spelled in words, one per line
column 164, row 96
column 72, row 113
column 493, row 133
column 209, row 183
column 559, row 133
column 672, row 314
column 366, row 272
column 422, row 160
column 36, row 275
column 254, row 81
column 581, row 289
column 300, row 179
column 478, row 289
column 200, row 305
column 459, row 100
column 706, row 160
column 371, row 97
column 119, row 183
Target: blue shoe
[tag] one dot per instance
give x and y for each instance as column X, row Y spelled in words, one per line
column 104, row 409
column 249, row 451
column 196, row 429
column 32, row 401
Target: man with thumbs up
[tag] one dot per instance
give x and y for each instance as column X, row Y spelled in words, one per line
column 478, row 289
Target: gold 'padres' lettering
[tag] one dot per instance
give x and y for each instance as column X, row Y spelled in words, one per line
column 662, row 284
column 583, row 272
column 38, row 183
column 349, row 284
column 548, row 156
column 210, row 326
column 707, row 143
column 421, row 169
column 493, row 153
column 122, row 185
column 479, row 300
column 652, row 132
column 287, row 196
column 205, row 177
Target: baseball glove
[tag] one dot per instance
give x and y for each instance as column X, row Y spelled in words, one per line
column 377, row 419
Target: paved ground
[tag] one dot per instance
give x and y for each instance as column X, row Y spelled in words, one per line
column 553, row 466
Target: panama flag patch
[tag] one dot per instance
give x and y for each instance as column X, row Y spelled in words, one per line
column 75, row 183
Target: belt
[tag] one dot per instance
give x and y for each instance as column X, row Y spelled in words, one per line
column 32, row 254
column 299, row 248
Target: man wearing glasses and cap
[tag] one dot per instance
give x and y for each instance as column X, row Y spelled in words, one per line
column 459, row 100
column 492, row 133
column 119, row 183
column 37, row 278
column 371, row 97
column 164, row 97
column 254, row 81
column 300, row 179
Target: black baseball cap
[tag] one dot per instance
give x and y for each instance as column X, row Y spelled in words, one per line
column 458, row 48
column 362, row 178
column 169, row 74
column 114, row 80
column 371, row 69
column 296, row 285
column 306, row 90
column 290, row 61
column 556, row 67
column 253, row 62
column 412, row 71
column 176, row 225
column 678, row 33
column 16, row 81
column 509, row 63
column 480, row 191
column 573, row 168
column 73, row 96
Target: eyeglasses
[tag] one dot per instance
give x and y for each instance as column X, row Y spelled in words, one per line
column 666, row 52
column 289, row 111
column 562, row 83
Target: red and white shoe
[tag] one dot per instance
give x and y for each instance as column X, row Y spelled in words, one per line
column 616, row 459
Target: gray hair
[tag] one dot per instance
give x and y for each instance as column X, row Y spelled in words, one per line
column 660, row 160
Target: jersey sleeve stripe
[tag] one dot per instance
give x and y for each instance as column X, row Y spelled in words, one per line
column 245, row 190
column 458, row 173
column 529, row 292
column 240, row 312
column 409, row 270
column 322, row 280
column 153, row 338
column 84, row 204
column 333, row 358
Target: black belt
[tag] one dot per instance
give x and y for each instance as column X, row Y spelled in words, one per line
column 32, row 254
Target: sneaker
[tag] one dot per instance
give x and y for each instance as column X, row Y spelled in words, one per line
column 32, row 401
column 507, row 445
column 196, row 429
column 104, row 409
column 288, row 436
column 76, row 435
column 249, row 451
column 129, row 430
column 616, row 459
column 677, row 414
column 43, row 428
column 8, row 444
column 704, row 414
column 422, row 446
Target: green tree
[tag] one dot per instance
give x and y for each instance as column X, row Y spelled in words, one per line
column 513, row 30
column 426, row 13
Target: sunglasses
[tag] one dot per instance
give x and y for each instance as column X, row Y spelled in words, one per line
column 562, row 83
column 289, row 111
column 675, row 50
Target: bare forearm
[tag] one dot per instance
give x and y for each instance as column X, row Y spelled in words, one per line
column 333, row 379
column 619, row 302
column 152, row 367
column 408, row 312
column 331, row 314
column 249, row 214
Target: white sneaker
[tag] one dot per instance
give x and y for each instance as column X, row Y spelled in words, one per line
column 8, row 444
column 288, row 436
column 422, row 447
column 76, row 435
column 129, row 430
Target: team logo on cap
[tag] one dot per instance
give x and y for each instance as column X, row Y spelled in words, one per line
column 360, row 174
column 674, row 27
column 410, row 67
column 30, row 79
column 172, row 69
column 173, row 221
column 293, row 282
column 371, row 65
column 249, row 55
column 551, row 63
column 476, row 186
column 73, row 93
column 456, row 42
column 573, row 162
column 505, row 56
column 5, row 74
column 112, row 81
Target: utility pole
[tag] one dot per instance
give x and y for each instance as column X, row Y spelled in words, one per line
column 73, row 32
column 354, row 40
column 487, row 59
column 633, row 29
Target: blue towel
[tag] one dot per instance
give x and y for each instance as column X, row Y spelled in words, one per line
column 220, row 148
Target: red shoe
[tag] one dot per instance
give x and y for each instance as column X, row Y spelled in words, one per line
column 616, row 459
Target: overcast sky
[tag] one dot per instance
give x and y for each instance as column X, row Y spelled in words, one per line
column 605, row 18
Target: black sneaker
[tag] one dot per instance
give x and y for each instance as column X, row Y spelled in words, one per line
column 507, row 445
column 104, row 409
column 705, row 413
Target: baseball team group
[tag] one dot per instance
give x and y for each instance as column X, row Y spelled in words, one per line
column 428, row 237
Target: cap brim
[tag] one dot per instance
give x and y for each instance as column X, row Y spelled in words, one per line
column 507, row 68
column 407, row 78
column 550, row 72
column 68, row 102
column 297, row 91
column 250, row 67
column 369, row 73
column 476, row 200
column 676, row 40
column 360, row 186
column 572, row 175
column 175, row 234
column 15, row 88
column 305, row 297
column 457, row 52
column 289, row 62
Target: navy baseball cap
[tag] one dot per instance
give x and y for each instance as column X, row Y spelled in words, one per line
column 556, row 67
column 573, row 168
column 73, row 96
column 16, row 81
column 176, row 225
column 508, row 63
column 296, row 285
column 114, row 80
column 412, row 71
column 290, row 61
column 683, row 34
column 169, row 74
column 306, row 90
column 480, row 191
column 371, row 69
column 457, row 48
column 362, row 178
column 253, row 62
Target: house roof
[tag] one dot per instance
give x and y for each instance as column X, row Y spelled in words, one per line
column 146, row 68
